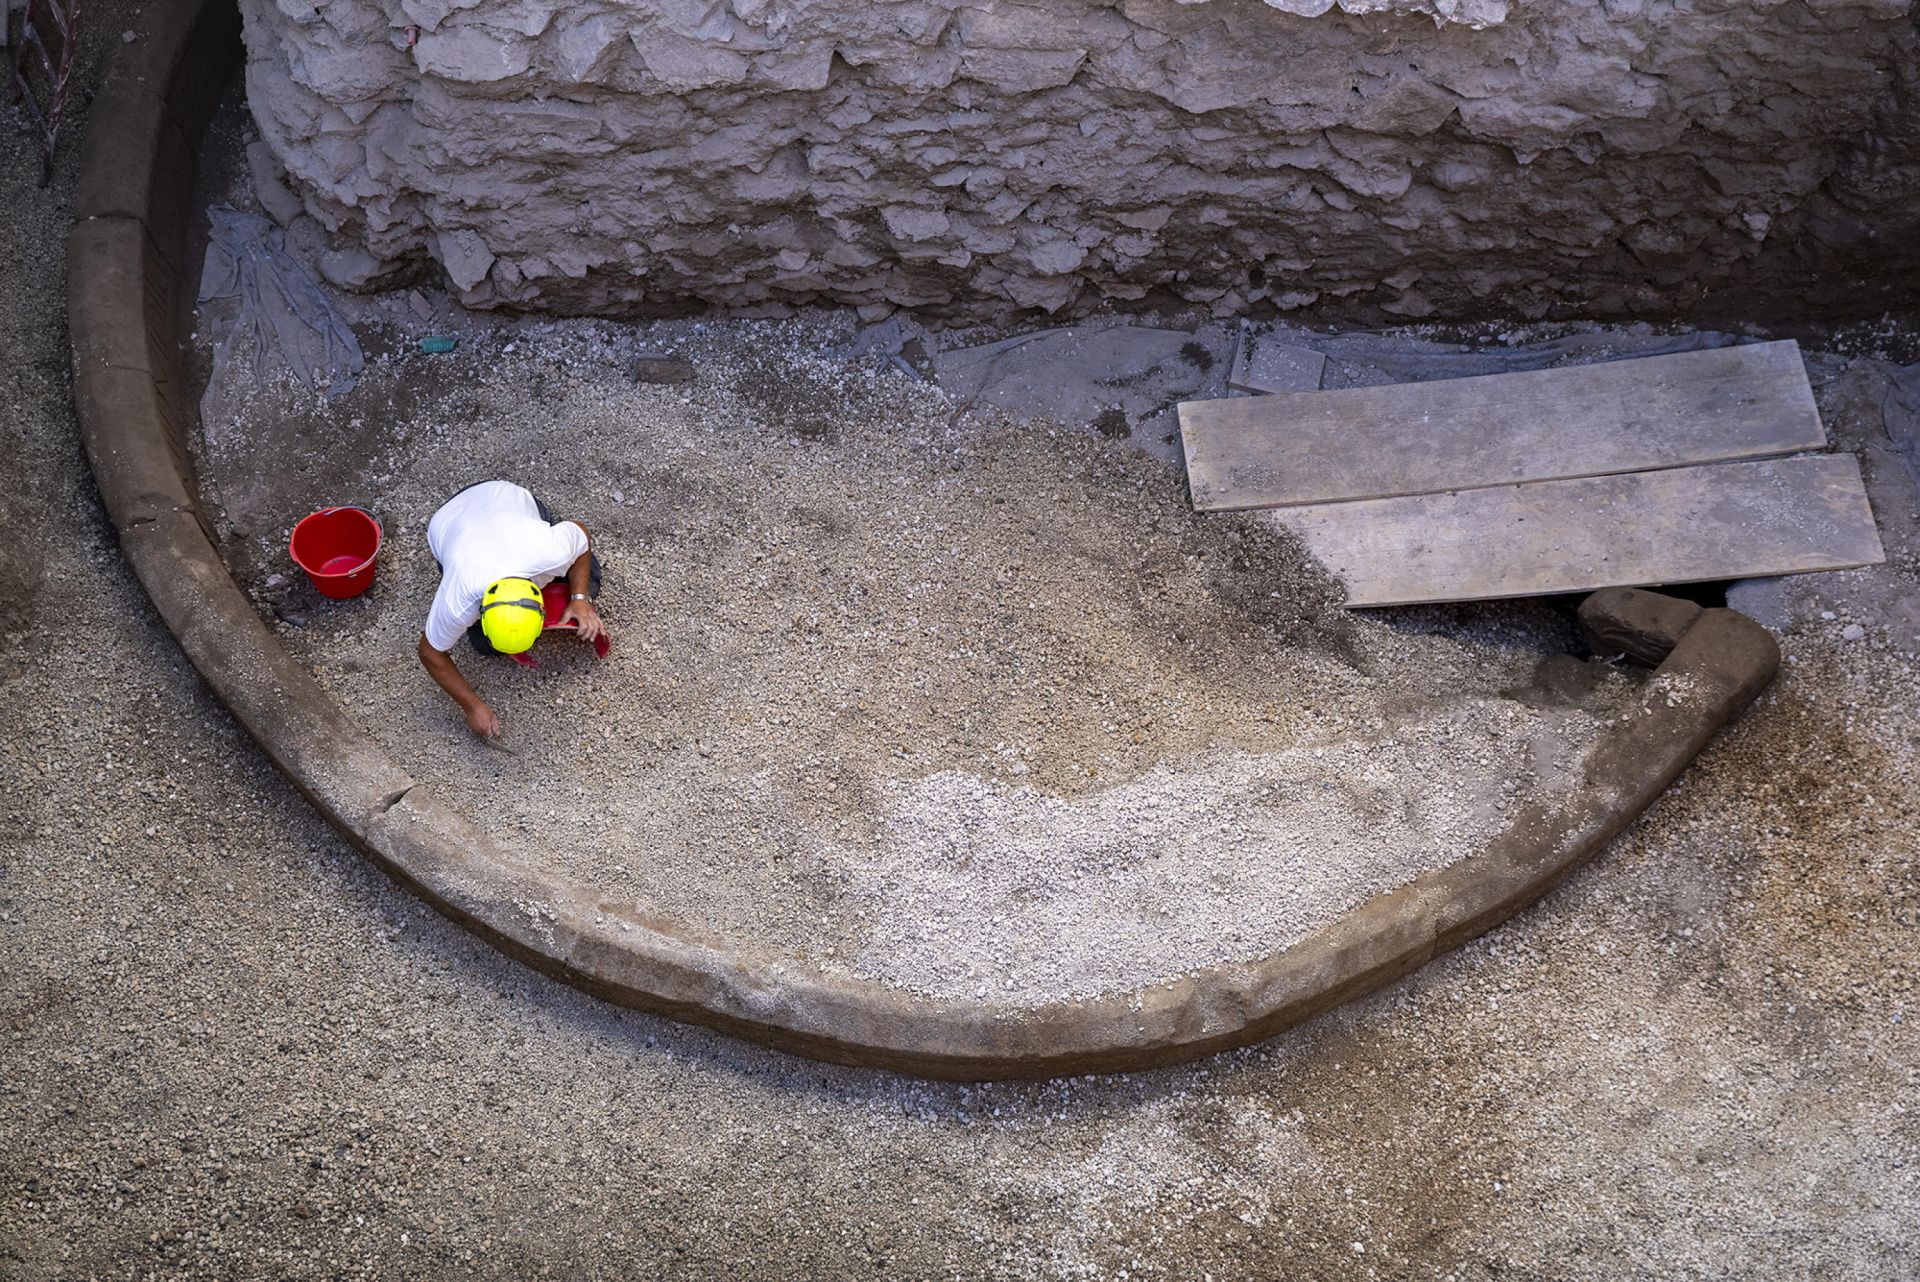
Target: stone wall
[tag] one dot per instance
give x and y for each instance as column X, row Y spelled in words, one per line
column 977, row 158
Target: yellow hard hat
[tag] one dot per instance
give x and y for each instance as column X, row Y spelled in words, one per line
column 512, row 615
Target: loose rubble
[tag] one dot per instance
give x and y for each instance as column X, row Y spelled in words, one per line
column 966, row 704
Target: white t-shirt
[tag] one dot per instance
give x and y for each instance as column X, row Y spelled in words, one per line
column 492, row 531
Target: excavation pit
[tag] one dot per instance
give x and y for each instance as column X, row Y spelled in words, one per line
column 173, row 488
column 949, row 701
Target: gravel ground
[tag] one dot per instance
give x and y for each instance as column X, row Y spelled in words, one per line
column 966, row 704
column 961, row 704
column 233, row 1051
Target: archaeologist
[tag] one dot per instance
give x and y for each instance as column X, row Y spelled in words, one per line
column 498, row 546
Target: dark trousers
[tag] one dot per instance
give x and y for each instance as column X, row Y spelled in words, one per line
column 478, row 638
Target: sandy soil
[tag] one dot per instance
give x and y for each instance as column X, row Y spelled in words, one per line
column 229, row 1049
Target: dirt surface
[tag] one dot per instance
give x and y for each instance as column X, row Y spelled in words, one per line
column 230, row 1049
column 906, row 686
column 964, row 704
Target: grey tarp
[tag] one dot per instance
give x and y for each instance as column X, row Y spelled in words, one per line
column 1127, row 379
column 1900, row 415
column 278, row 312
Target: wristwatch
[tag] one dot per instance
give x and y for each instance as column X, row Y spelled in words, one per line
column 580, row 596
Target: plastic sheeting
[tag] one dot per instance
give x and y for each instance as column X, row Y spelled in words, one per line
column 1126, row 380
column 1900, row 415
column 1369, row 360
column 279, row 315
column 1122, row 380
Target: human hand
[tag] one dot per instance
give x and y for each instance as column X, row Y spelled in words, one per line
column 482, row 721
column 585, row 616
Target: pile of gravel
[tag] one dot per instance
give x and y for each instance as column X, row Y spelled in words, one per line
column 962, row 704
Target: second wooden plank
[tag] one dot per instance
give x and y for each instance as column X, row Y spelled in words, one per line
column 1680, row 525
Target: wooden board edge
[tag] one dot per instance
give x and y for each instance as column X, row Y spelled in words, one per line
column 1811, row 450
column 1786, row 351
column 1394, row 603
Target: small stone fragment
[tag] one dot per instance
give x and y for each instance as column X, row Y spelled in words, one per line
column 270, row 184
column 466, row 257
column 350, row 267
column 1262, row 367
column 656, row 367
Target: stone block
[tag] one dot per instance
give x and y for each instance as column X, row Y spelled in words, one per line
column 657, row 367
column 270, row 184
column 143, row 171
column 1643, row 625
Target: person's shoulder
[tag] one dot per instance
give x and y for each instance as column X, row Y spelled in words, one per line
column 478, row 492
column 494, row 488
column 502, row 490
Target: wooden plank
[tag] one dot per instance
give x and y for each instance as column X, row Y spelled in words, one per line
column 1680, row 525
column 1499, row 429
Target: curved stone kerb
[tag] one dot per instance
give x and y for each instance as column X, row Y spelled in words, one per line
column 126, row 300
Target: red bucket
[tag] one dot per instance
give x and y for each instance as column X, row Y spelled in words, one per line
column 336, row 547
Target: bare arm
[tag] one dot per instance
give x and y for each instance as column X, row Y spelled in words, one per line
column 583, row 613
column 447, row 675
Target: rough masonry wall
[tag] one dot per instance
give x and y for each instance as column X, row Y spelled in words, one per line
column 979, row 158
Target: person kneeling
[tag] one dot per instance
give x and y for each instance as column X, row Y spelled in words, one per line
column 497, row 546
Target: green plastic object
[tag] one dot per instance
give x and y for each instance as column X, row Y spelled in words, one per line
column 438, row 344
